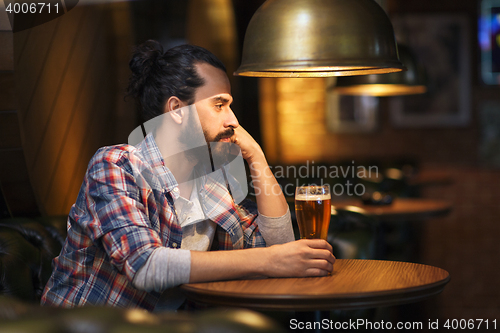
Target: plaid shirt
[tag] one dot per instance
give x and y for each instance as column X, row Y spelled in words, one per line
column 123, row 212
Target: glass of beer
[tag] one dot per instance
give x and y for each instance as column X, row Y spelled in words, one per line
column 312, row 208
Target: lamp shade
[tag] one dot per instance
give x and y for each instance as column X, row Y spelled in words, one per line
column 315, row 38
column 410, row 82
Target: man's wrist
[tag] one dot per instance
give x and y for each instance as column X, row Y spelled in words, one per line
column 262, row 263
column 257, row 161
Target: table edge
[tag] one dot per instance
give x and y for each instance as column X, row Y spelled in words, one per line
column 418, row 215
column 296, row 302
column 283, row 302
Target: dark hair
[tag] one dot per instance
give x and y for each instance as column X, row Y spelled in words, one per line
column 156, row 76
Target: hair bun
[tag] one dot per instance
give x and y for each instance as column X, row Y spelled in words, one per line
column 144, row 59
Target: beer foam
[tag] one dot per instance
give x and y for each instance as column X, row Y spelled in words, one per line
column 312, row 197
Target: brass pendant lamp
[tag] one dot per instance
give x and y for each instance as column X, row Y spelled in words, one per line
column 316, row 38
column 410, row 82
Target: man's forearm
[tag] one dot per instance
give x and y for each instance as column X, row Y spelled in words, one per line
column 222, row 265
column 270, row 198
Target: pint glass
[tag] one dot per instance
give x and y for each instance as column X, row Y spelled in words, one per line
column 312, row 209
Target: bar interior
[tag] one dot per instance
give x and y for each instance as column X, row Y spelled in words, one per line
column 412, row 157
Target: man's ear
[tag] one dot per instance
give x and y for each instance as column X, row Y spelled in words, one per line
column 173, row 103
column 177, row 115
column 174, row 108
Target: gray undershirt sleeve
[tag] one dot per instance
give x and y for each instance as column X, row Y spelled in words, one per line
column 165, row 268
column 276, row 230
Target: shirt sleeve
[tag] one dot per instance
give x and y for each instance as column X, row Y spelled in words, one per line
column 276, row 230
column 248, row 213
column 119, row 222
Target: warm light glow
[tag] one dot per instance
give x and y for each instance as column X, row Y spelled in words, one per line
column 136, row 316
column 303, row 19
column 319, row 72
column 354, row 209
column 299, row 112
column 394, row 173
column 381, row 90
column 250, row 319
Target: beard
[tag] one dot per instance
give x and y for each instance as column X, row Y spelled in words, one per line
column 220, row 152
column 192, row 137
column 191, row 134
column 192, row 140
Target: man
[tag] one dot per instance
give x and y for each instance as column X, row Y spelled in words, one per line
column 146, row 216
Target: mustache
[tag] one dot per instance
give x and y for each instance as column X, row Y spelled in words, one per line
column 223, row 135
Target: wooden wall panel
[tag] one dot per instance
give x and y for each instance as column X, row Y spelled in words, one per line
column 16, row 193
column 8, row 99
column 66, row 77
column 71, row 94
column 6, row 51
column 41, row 110
column 125, row 118
column 10, row 136
column 30, row 64
column 20, row 43
column 97, row 131
column 87, row 107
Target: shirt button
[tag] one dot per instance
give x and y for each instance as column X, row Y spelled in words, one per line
column 183, row 216
column 174, row 245
column 176, row 190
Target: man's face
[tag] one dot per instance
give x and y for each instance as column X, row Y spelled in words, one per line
column 212, row 101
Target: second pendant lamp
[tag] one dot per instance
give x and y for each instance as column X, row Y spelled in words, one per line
column 410, row 82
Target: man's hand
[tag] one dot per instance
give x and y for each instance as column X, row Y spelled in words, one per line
column 305, row 257
column 250, row 149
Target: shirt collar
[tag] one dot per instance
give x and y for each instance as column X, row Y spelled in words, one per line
column 151, row 153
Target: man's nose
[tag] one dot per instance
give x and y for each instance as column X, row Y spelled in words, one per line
column 231, row 120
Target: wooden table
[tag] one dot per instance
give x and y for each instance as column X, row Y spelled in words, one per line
column 430, row 178
column 354, row 284
column 401, row 209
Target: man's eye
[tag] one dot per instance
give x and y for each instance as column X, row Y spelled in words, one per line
column 218, row 106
